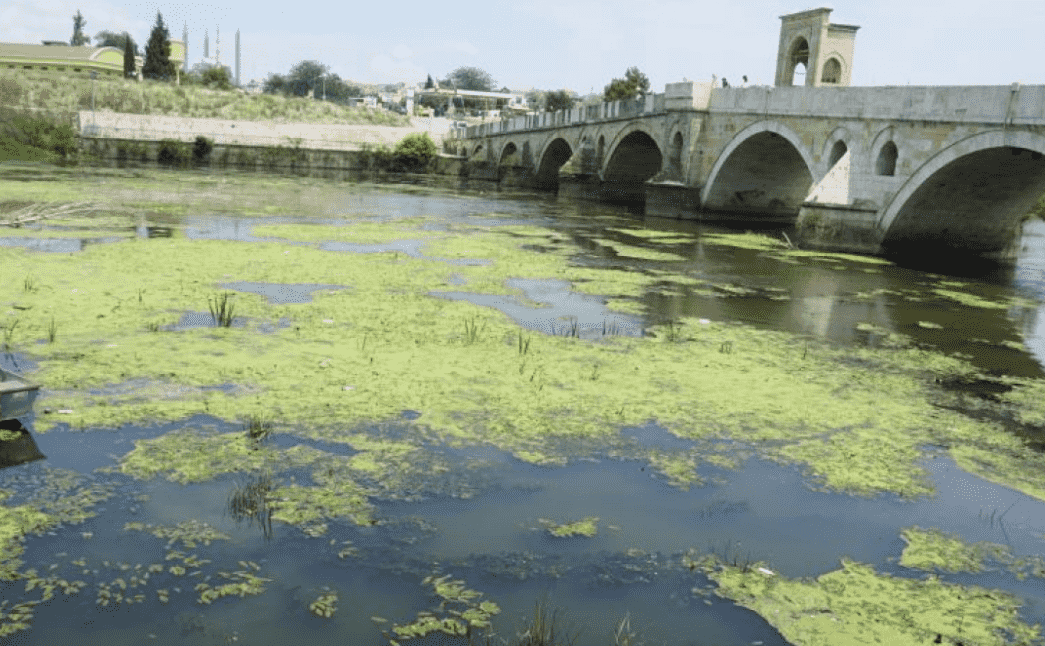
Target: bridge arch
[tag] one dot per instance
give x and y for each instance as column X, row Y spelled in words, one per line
column 556, row 153
column 836, row 145
column 764, row 167
column 507, row 151
column 634, row 155
column 970, row 196
column 884, row 153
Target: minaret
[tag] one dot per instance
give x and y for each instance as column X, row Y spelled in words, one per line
column 206, row 44
column 185, row 39
column 237, row 58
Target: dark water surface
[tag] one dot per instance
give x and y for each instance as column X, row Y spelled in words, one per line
column 481, row 522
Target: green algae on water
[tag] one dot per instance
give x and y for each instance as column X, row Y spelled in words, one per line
column 931, row 549
column 586, row 527
column 856, row 605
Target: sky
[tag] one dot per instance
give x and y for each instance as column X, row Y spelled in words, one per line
column 580, row 45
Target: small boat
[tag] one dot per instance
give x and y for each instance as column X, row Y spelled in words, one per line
column 16, row 395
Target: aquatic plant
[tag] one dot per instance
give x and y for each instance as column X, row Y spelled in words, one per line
column 325, row 606
column 571, row 329
column 250, row 501
column 623, row 636
column 221, row 309
column 470, row 613
column 52, row 331
column 257, row 428
column 29, row 284
column 523, row 345
column 674, row 331
column 544, row 628
column 9, row 331
column 472, row 331
column 610, row 327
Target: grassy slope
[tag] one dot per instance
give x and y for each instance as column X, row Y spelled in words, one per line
column 62, row 95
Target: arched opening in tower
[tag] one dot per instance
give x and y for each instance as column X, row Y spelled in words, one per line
column 798, row 62
column 972, row 207
column 764, row 176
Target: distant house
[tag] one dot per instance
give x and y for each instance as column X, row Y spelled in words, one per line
column 57, row 56
column 502, row 101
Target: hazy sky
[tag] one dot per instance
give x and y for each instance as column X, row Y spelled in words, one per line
column 576, row 44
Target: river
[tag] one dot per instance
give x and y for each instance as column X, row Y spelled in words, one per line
column 479, row 514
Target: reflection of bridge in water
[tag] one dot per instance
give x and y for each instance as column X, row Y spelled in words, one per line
column 872, row 169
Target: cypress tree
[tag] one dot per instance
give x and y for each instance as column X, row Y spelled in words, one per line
column 78, row 26
column 128, row 57
column 158, row 64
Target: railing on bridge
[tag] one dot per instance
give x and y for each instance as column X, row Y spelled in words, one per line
column 997, row 104
column 628, row 108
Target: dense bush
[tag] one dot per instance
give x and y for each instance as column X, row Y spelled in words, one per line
column 201, row 149
column 173, row 153
column 45, row 133
column 414, row 151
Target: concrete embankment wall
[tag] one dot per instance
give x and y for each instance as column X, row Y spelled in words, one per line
column 246, row 144
column 137, row 127
column 245, row 157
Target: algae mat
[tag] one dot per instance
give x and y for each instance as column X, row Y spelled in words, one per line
column 101, row 324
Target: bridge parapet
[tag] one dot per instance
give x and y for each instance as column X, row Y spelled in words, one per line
column 687, row 95
column 964, row 104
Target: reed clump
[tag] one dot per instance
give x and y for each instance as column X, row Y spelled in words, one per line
column 249, row 501
column 221, row 309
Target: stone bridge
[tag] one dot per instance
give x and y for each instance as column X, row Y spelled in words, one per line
column 869, row 169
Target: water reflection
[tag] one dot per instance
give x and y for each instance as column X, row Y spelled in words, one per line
column 564, row 313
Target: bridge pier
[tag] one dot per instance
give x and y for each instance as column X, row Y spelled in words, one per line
column 672, row 200
column 580, row 186
column 838, row 227
column 515, row 176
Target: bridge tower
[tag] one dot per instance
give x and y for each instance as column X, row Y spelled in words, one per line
column 826, row 50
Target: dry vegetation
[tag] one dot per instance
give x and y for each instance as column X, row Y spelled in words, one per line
column 61, row 95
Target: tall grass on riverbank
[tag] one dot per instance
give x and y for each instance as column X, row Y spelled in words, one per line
column 25, row 90
column 35, row 136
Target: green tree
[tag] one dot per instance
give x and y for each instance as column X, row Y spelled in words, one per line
column 414, row 151
column 470, row 78
column 79, row 38
column 633, row 85
column 429, row 84
column 558, row 100
column 128, row 58
column 275, row 84
column 158, row 65
column 216, row 77
column 304, row 77
column 339, row 90
column 106, row 38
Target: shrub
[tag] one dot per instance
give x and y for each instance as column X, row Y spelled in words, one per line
column 46, row 133
column 173, row 153
column 201, row 149
column 379, row 158
column 414, row 151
